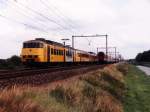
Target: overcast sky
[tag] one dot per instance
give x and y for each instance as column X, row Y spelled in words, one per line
column 127, row 22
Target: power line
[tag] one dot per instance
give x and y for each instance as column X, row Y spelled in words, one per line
column 22, row 23
column 32, row 19
column 61, row 13
column 31, row 11
column 54, row 11
column 42, row 15
column 27, row 25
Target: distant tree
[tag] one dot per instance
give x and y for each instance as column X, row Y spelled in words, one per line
column 3, row 63
column 15, row 60
column 145, row 56
column 10, row 63
column 139, row 57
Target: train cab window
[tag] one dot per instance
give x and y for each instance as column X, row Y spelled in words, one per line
column 32, row 45
column 24, row 45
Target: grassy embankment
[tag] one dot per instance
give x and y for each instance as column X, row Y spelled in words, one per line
column 98, row 91
column 137, row 98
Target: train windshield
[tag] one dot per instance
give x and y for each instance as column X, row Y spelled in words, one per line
column 32, row 45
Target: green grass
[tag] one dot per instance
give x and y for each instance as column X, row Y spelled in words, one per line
column 137, row 96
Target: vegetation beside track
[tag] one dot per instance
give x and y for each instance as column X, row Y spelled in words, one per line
column 98, row 91
column 10, row 63
column 137, row 96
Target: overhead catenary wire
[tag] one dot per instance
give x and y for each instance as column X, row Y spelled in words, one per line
column 59, row 15
column 69, row 20
column 33, row 21
column 38, row 23
column 43, row 16
column 19, row 22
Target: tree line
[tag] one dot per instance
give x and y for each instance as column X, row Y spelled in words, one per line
column 143, row 57
column 10, row 63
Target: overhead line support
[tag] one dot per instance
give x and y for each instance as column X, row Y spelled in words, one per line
column 106, row 36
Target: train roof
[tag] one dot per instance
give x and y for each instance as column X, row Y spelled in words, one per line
column 49, row 41
column 57, row 43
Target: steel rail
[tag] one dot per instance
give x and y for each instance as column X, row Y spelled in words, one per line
column 26, row 73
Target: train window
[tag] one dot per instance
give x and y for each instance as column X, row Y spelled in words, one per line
column 36, row 56
column 70, row 53
column 56, row 52
column 24, row 45
column 60, row 52
column 32, row 45
column 52, row 51
column 29, row 56
column 24, row 56
column 41, row 45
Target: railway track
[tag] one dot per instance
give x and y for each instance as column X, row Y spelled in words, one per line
column 17, row 70
column 31, row 72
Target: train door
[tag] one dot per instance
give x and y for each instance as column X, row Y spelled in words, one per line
column 48, row 54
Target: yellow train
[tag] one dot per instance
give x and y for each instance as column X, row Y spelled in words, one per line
column 44, row 51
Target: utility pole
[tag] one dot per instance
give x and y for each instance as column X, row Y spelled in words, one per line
column 106, row 37
column 106, row 46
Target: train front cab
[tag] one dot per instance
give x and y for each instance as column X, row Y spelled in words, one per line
column 33, row 51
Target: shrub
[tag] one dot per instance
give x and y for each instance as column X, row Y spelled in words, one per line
column 93, row 80
column 90, row 92
column 64, row 95
column 10, row 63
